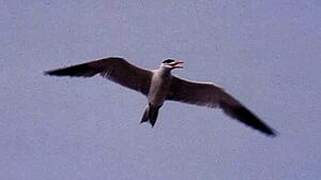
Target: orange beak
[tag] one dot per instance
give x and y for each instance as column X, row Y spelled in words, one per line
column 177, row 64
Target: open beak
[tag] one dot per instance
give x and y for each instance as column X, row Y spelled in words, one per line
column 177, row 64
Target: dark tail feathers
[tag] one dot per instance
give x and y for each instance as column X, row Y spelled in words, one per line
column 150, row 114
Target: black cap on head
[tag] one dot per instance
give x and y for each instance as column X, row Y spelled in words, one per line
column 168, row 61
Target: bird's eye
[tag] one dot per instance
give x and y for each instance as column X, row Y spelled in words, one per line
column 168, row 61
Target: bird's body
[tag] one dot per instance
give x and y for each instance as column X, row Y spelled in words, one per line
column 160, row 85
column 158, row 92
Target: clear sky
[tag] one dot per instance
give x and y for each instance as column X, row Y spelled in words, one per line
column 265, row 53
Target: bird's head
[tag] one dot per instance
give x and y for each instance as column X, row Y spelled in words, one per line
column 172, row 64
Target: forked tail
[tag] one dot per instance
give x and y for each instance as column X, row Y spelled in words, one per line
column 150, row 114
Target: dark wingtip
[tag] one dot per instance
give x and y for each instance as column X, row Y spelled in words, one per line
column 246, row 116
column 272, row 133
column 47, row 73
column 53, row 73
column 267, row 130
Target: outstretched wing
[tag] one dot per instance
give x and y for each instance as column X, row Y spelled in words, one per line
column 208, row 94
column 113, row 68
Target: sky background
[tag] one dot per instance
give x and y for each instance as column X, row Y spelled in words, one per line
column 266, row 53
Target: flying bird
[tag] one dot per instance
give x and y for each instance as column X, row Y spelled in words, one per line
column 160, row 85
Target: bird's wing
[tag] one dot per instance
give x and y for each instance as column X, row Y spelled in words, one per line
column 113, row 68
column 208, row 94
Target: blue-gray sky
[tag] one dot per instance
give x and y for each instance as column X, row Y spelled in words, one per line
column 266, row 53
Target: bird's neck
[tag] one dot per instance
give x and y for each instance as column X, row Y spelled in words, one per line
column 163, row 71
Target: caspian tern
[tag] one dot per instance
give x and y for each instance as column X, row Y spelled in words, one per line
column 160, row 85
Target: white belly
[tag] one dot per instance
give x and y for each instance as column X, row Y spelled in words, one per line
column 158, row 90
